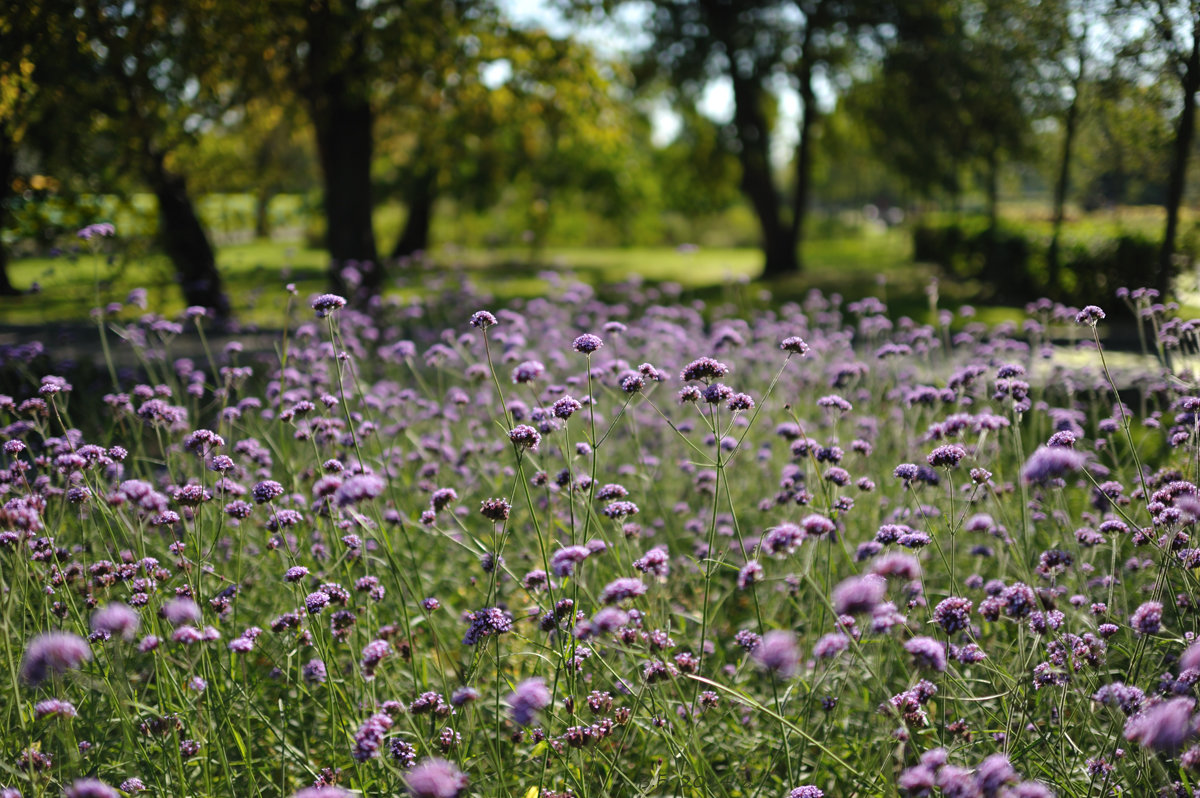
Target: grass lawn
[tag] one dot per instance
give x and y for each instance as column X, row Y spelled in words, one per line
column 257, row 272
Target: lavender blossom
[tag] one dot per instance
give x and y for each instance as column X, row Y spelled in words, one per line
column 53, row 653
column 527, row 698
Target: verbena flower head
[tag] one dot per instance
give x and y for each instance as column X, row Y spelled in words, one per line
column 326, row 304
column 267, row 490
column 116, row 619
column 482, row 319
column 953, row 614
column 946, row 456
column 179, row 611
column 566, row 407
column 778, row 653
column 435, row 778
column 1164, row 727
column 97, row 230
column 90, row 788
column 1147, row 618
column 525, row 437
column 796, row 345
column 527, row 699
column 358, row 488
column 807, row 791
column 859, row 594
column 323, row 791
column 53, row 653
column 1051, row 462
column 622, row 589
column 587, row 343
column 703, row 369
column 495, row 509
column 927, row 653
column 54, row 707
column 1089, row 315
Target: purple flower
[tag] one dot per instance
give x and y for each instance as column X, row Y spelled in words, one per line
column 295, row 573
column 435, row 778
column 619, row 590
column 1190, row 658
column 486, row 622
column 267, row 490
column 620, row 509
column 369, row 737
column 993, row 773
column 654, row 562
column 1089, row 315
column 703, row 369
column 1051, row 462
column 90, row 788
column 482, row 319
column 587, row 343
column 1147, row 619
column 324, row 791
column 357, row 489
column 901, row 566
column 830, row 645
column 750, row 573
column 806, row 790
column 180, row 611
column 927, row 653
column 563, row 561
column 528, row 371
column 566, row 407
column 53, row 653
column 946, row 456
column 527, row 698
column 524, row 437
column 328, row 303
column 116, row 619
column 315, row 602
column 778, row 653
column 953, row 614
column 99, row 229
column 495, row 509
column 373, row 653
column 858, row 594
column 817, row 525
column 1017, row 600
column 314, row 671
column 1163, row 727
column 794, row 344
column 54, row 707
column 783, row 539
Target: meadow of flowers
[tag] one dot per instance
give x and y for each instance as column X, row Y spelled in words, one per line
column 635, row 548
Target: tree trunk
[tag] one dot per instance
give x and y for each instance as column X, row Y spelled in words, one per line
column 757, row 182
column 185, row 241
column 420, row 198
column 1064, row 180
column 993, row 188
column 8, row 160
column 1183, row 147
column 262, row 213
column 808, row 117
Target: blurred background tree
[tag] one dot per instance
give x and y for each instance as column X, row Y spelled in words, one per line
column 486, row 123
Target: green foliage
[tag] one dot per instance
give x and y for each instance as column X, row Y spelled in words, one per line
column 1010, row 260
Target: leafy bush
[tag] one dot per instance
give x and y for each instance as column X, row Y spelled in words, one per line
column 1013, row 262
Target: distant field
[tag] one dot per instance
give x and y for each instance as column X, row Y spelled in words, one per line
column 257, row 270
column 873, row 262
